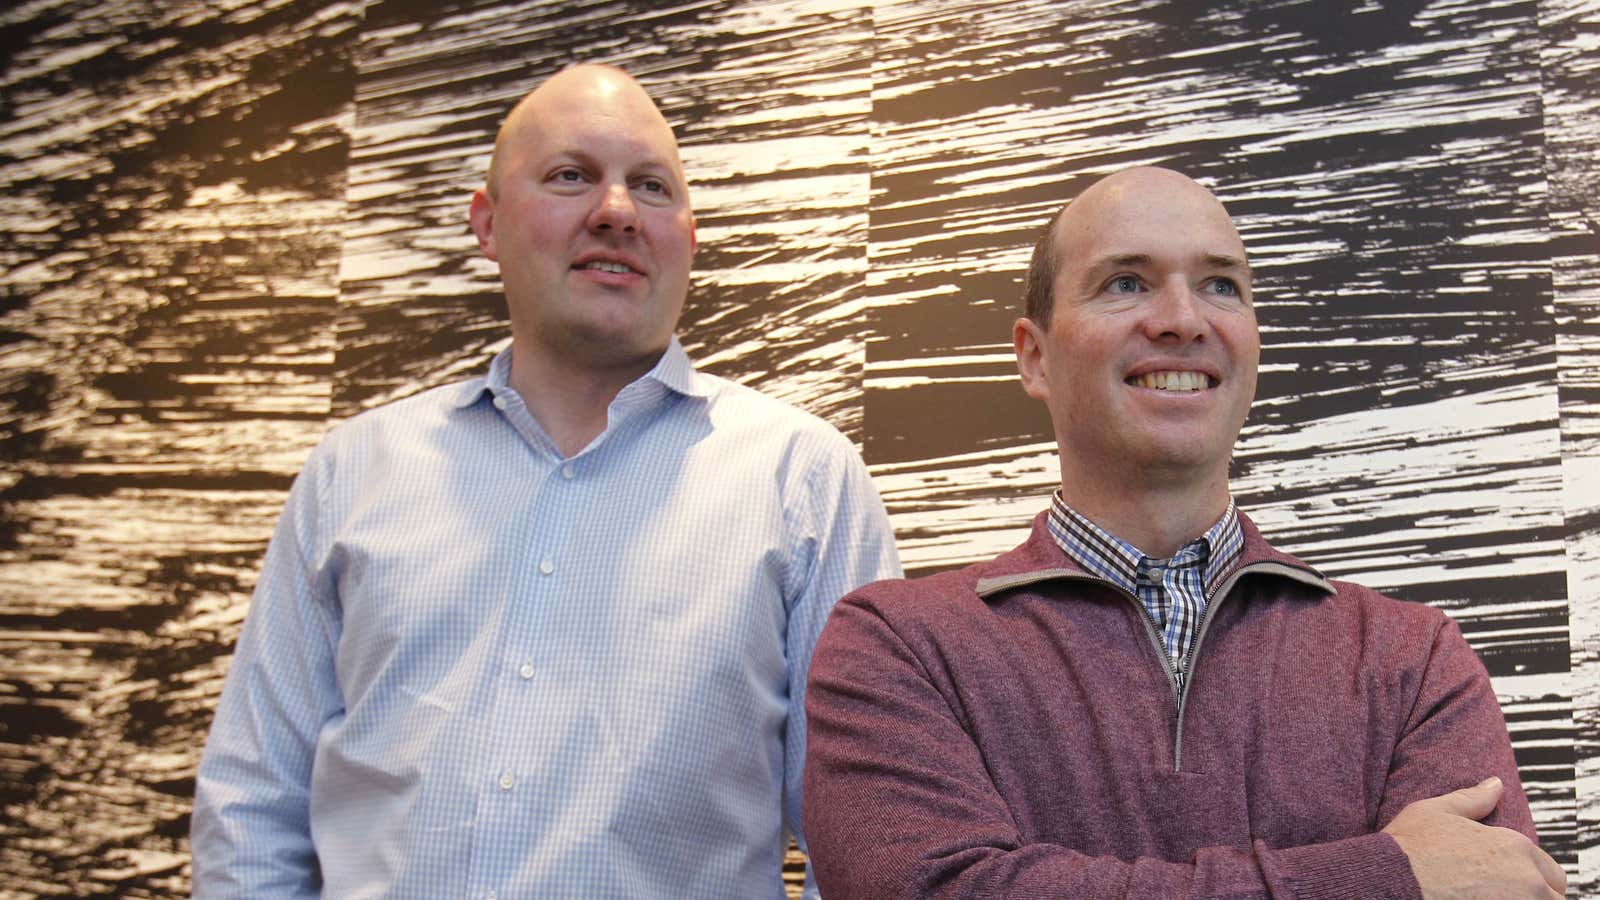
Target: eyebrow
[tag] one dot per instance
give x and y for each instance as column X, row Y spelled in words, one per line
column 1224, row 261
column 1211, row 260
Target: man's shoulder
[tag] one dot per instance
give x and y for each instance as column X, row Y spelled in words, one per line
column 424, row 408
column 1342, row 597
column 923, row 613
column 942, row 616
column 397, row 423
column 765, row 431
column 1387, row 615
column 951, row 595
column 391, row 451
column 741, row 406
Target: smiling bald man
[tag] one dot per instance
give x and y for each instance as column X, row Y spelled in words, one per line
column 1146, row 699
column 545, row 632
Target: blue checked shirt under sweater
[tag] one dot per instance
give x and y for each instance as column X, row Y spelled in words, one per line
column 475, row 668
column 1172, row 591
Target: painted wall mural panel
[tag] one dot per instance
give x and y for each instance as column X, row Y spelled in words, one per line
column 1571, row 95
column 223, row 227
column 171, row 189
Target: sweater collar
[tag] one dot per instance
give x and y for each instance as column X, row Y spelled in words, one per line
column 1041, row 559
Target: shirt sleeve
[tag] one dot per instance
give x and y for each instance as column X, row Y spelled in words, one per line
column 250, row 833
column 845, row 541
column 899, row 803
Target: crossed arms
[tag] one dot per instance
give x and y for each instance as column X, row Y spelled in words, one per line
column 916, row 784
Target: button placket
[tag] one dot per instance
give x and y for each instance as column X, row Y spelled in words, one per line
column 569, row 471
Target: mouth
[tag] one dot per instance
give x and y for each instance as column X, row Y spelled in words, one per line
column 605, row 265
column 1176, row 380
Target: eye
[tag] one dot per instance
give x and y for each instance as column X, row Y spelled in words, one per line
column 1124, row 284
column 1226, row 286
column 653, row 190
column 567, row 175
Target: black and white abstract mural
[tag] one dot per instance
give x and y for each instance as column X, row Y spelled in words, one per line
column 225, row 226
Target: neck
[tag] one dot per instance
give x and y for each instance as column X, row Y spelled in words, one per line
column 569, row 402
column 1157, row 517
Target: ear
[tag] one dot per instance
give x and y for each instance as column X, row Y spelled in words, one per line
column 1029, row 338
column 481, row 215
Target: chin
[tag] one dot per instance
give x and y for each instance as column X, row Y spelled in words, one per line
column 1181, row 461
column 615, row 349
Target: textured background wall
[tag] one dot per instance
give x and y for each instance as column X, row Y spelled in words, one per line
column 224, row 226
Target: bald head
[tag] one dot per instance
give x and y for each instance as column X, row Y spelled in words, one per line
column 1096, row 210
column 583, row 90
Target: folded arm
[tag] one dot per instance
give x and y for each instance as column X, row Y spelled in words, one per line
column 898, row 802
column 1461, row 839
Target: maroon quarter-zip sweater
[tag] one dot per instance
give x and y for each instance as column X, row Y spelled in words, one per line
column 1010, row 730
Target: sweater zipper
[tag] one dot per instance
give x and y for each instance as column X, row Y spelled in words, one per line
column 1160, row 647
column 1223, row 589
column 1181, row 695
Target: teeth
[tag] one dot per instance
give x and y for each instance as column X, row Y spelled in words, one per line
column 619, row 268
column 1172, row 381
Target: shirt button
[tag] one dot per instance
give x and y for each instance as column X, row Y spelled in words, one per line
column 506, row 781
column 500, row 403
column 547, row 566
column 490, row 896
column 526, row 671
column 567, row 472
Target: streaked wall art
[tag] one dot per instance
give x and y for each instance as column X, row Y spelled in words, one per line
column 226, row 226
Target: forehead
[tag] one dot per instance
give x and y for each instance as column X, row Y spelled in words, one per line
column 594, row 122
column 1161, row 220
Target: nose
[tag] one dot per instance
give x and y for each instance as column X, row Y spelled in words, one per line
column 614, row 211
column 1173, row 315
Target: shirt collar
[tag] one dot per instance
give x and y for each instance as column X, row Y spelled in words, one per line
column 1224, row 540
column 677, row 373
column 1039, row 560
column 1098, row 551
column 673, row 371
column 1104, row 554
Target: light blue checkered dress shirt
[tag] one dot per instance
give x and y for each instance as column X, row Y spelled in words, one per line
column 1173, row 590
column 473, row 668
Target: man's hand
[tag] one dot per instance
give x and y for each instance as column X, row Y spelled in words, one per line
column 1454, row 855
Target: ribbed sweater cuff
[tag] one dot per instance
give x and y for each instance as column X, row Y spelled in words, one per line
column 1369, row 866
